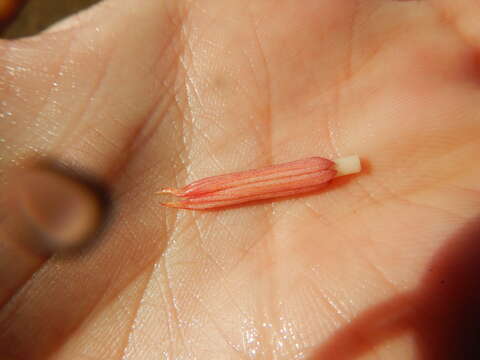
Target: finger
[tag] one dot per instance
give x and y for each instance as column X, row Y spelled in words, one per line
column 48, row 209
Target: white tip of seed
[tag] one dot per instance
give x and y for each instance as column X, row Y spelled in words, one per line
column 348, row 165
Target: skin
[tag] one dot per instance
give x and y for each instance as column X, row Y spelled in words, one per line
column 171, row 91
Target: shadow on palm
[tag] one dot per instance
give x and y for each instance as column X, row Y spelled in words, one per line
column 442, row 314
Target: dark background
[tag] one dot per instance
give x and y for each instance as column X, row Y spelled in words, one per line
column 36, row 15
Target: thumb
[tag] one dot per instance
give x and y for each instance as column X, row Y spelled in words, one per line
column 49, row 209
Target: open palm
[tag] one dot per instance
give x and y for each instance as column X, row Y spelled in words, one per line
column 160, row 93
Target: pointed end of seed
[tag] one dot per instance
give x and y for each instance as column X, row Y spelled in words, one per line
column 348, row 165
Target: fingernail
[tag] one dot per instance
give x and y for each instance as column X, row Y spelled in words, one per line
column 64, row 209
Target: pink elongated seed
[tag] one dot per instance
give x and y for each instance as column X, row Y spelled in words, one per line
column 292, row 178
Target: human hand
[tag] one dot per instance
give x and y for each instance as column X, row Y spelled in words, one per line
column 168, row 92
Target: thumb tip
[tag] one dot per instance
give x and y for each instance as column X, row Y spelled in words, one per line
column 62, row 208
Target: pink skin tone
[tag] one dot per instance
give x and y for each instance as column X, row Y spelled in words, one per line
column 288, row 179
column 149, row 90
